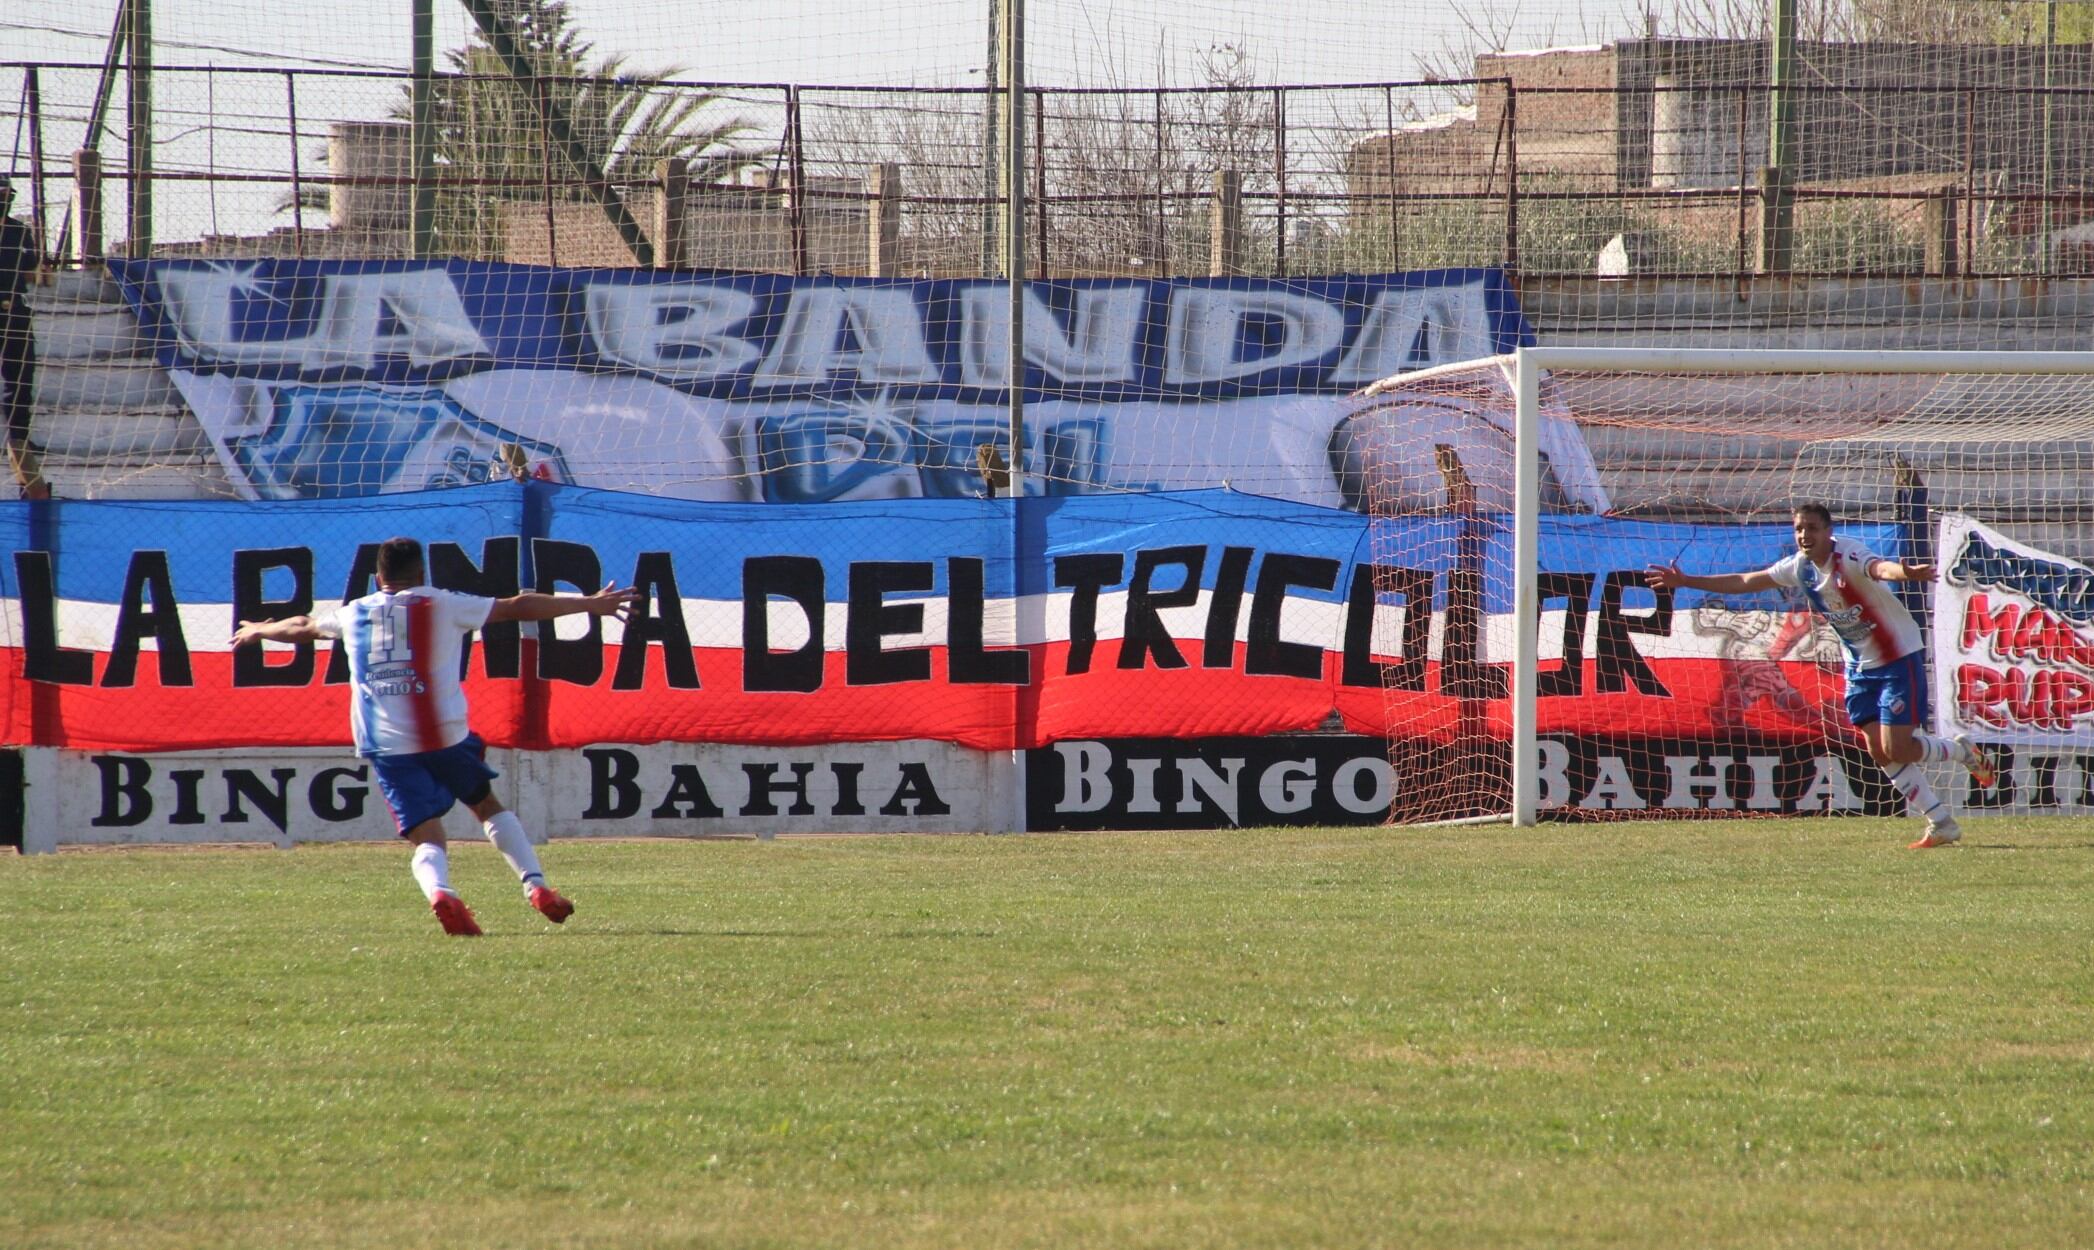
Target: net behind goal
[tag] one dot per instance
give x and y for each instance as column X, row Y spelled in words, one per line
column 1530, row 671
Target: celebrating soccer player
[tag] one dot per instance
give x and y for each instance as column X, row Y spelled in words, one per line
column 1886, row 657
column 408, row 717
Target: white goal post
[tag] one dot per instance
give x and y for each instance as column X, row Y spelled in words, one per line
column 1530, row 365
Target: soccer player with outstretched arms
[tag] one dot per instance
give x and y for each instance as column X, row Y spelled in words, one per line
column 1886, row 655
column 408, row 716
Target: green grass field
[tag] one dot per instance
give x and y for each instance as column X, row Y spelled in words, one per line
column 1727, row 1034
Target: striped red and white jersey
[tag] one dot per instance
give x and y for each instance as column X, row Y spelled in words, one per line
column 1866, row 614
column 404, row 652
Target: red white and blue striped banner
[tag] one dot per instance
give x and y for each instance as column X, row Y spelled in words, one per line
column 989, row 624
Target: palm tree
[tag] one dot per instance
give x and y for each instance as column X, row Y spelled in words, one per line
column 491, row 146
column 488, row 134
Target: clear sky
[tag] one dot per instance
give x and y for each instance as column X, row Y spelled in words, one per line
column 234, row 122
column 942, row 42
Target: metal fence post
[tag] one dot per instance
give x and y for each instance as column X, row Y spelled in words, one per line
column 297, row 178
column 1388, row 108
column 1512, row 176
column 671, row 207
column 1279, row 173
column 795, row 182
column 1225, row 225
column 32, row 89
column 87, row 206
column 883, row 220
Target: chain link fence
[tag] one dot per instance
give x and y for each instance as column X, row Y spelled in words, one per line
column 1638, row 158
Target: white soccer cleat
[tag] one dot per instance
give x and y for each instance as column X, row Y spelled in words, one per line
column 1983, row 769
column 1943, row 832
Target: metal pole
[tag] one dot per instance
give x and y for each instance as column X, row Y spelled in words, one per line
column 795, row 181
column 1777, row 213
column 297, row 175
column 1160, row 236
column 542, row 89
column 991, row 75
column 1388, row 109
column 1013, row 13
column 211, row 142
column 105, row 86
column 87, row 206
column 33, row 88
column 1512, row 176
column 1526, row 587
column 1279, row 181
column 1744, row 179
column 421, row 124
column 1014, row 226
column 97, row 122
column 1969, row 250
column 1039, row 179
column 138, row 110
column 2050, row 47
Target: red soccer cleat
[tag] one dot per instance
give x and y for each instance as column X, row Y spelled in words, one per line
column 551, row 903
column 455, row 916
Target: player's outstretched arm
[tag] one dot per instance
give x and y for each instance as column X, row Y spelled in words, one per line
column 1669, row 577
column 533, row 606
column 289, row 629
column 1903, row 571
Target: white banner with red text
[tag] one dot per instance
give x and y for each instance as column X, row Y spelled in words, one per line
column 2013, row 640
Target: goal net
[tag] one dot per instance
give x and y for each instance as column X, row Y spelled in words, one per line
column 1617, row 699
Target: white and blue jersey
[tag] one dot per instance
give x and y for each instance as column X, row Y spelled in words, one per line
column 404, row 649
column 1871, row 623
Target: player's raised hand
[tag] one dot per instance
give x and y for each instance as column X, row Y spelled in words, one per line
column 1663, row 576
column 249, row 631
column 611, row 601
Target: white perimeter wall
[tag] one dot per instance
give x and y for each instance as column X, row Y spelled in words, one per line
column 304, row 795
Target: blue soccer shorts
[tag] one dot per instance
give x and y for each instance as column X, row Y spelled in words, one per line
column 424, row 785
column 1895, row 694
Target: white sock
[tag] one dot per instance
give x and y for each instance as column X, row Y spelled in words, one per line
column 507, row 834
column 1935, row 750
column 432, row 869
column 1919, row 796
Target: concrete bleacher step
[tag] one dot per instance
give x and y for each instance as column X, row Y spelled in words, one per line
column 119, row 436
column 174, row 477
column 1630, row 444
column 104, row 386
column 79, row 331
column 109, row 423
column 79, row 286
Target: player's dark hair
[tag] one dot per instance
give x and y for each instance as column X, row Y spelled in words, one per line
column 1818, row 510
column 400, row 560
